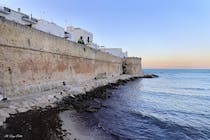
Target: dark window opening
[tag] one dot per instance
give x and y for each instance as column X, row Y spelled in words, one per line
column 88, row 39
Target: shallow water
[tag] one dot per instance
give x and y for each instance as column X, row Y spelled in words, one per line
column 174, row 106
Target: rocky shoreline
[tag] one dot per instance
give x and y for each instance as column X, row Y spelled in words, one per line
column 34, row 116
column 43, row 123
column 88, row 102
column 35, row 101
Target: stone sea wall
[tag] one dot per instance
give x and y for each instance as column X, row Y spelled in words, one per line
column 132, row 65
column 32, row 61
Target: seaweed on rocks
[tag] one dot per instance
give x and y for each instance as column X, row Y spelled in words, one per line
column 34, row 125
column 86, row 102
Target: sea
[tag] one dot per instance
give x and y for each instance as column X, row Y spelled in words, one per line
column 174, row 106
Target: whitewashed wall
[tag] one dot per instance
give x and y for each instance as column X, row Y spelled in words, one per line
column 14, row 16
column 114, row 51
column 49, row 27
column 76, row 33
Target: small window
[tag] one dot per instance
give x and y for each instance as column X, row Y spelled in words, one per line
column 88, row 39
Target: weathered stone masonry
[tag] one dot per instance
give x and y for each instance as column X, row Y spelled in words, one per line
column 33, row 61
column 132, row 65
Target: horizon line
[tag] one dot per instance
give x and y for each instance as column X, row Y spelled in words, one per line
column 180, row 68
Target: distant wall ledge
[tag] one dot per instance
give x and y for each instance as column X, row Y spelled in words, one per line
column 133, row 57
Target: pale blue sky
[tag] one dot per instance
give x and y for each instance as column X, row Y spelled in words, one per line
column 165, row 33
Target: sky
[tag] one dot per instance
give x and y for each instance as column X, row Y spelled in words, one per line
column 164, row 33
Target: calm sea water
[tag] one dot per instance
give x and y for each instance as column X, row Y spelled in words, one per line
column 174, row 106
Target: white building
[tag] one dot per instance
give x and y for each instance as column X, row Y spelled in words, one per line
column 93, row 45
column 16, row 16
column 42, row 25
column 115, row 51
column 76, row 34
column 49, row 27
column 124, row 54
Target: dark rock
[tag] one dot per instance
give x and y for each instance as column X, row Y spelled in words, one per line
column 104, row 106
column 4, row 99
column 150, row 76
column 64, row 83
column 91, row 110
